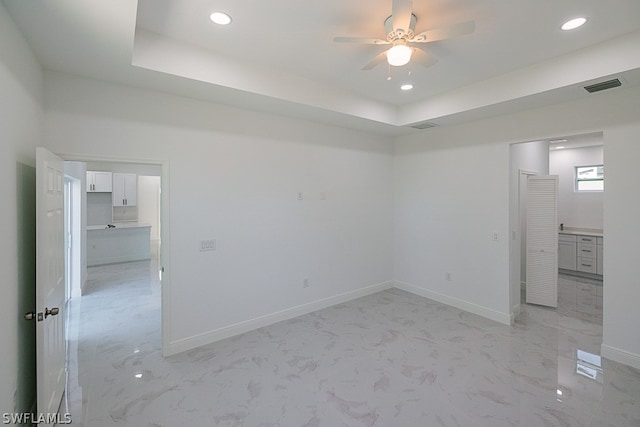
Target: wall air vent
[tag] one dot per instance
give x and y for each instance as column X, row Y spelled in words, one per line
column 423, row 125
column 597, row 87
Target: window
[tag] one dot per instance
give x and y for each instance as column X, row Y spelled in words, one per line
column 590, row 178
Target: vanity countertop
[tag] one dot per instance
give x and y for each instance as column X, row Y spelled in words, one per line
column 119, row 225
column 582, row 232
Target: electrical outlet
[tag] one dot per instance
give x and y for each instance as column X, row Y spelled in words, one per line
column 306, row 283
column 494, row 236
column 207, row 245
column 447, row 276
column 300, row 195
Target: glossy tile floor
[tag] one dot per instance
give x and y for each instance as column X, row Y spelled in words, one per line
column 390, row 359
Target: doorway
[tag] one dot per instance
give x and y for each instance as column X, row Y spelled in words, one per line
column 155, row 177
column 555, row 156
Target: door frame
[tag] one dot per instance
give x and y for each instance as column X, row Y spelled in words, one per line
column 165, row 230
column 73, row 220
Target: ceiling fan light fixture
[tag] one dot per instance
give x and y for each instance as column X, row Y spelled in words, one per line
column 573, row 24
column 406, row 87
column 220, row 18
column 399, row 55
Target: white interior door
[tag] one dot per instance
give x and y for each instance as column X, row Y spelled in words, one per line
column 542, row 240
column 50, row 283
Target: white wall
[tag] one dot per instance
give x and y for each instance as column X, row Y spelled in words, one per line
column 20, row 133
column 452, row 189
column 451, row 194
column 234, row 176
column 578, row 210
column 149, row 203
column 622, row 252
column 99, row 208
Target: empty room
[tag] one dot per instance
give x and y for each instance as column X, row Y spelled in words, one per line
column 383, row 213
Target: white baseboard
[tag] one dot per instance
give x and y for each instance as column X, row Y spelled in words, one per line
column 515, row 312
column 117, row 259
column 504, row 318
column 199, row 340
column 620, row 356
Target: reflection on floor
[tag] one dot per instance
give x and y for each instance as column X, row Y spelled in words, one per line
column 580, row 298
column 389, row 359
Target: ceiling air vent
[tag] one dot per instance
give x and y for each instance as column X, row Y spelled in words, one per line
column 423, row 125
column 597, row 87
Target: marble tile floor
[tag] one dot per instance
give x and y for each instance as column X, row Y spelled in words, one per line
column 578, row 297
column 390, row 359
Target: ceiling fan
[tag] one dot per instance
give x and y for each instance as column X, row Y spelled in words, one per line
column 400, row 28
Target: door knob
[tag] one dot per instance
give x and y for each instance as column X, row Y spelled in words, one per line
column 51, row 312
column 30, row 315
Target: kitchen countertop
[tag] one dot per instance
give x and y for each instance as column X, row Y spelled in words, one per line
column 582, row 232
column 119, row 225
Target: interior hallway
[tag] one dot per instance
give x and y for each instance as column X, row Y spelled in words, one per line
column 388, row 359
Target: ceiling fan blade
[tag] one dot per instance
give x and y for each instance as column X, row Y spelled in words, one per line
column 381, row 57
column 445, row 32
column 362, row 40
column 422, row 57
column 401, row 14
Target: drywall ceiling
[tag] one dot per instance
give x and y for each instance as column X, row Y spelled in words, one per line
column 279, row 55
column 576, row 141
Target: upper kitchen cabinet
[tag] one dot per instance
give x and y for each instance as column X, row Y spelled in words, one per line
column 99, row 182
column 125, row 189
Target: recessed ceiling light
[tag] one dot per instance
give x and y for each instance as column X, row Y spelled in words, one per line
column 573, row 24
column 559, row 148
column 220, row 18
column 406, row 87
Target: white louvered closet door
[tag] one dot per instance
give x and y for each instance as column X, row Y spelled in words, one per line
column 542, row 240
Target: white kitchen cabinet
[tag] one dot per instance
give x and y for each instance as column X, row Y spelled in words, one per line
column 125, row 189
column 587, row 250
column 123, row 243
column 586, row 239
column 99, row 182
column 599, row 255
column 581, row 253
column 586, row 265
column 567, row 252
